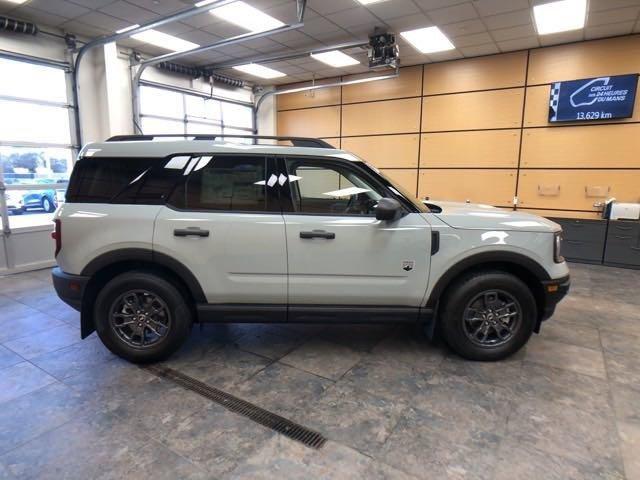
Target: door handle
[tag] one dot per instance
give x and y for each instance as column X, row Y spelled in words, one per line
column 318, row 234
column 190, row 232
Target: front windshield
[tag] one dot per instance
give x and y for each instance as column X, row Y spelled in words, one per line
column 398, row 190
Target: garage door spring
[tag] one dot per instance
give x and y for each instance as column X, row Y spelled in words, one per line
column 234, row 404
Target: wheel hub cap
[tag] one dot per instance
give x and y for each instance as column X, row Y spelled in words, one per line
column 492, row 318
column 140, row 318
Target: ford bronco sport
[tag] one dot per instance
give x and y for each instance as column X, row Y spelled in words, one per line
column 157, row 235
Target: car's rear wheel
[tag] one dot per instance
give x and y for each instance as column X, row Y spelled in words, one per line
column 142, row 317
column 488, row 315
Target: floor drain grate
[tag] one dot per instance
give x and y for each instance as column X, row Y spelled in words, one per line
column 259, row 415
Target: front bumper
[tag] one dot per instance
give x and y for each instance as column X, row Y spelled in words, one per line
column 70, row 288
column 554, row 291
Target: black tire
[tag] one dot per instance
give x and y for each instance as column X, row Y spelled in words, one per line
column 460, row 301
column 172, row 301
column 48, row 205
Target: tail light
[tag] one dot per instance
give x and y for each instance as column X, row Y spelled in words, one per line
column 57, row 235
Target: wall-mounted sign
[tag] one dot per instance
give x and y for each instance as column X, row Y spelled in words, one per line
column 598, row 98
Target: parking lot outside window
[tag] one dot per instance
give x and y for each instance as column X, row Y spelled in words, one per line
column 36, row 147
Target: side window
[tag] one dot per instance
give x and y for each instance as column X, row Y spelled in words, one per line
column 226, row 183
column 325, row 187
column 101, row 180
column 154, row 185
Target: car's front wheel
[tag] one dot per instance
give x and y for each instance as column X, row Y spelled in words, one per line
column 47, row 204
column 142, row 317
column 488, row 315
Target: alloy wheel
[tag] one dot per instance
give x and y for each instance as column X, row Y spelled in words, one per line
column 140, row 318
column 492, row 318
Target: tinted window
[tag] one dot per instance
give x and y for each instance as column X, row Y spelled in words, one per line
column 229, row 183
column 99, row 180
column 325, row 187
column 124, row 180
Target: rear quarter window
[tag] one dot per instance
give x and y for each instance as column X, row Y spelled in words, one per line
column 122, row 180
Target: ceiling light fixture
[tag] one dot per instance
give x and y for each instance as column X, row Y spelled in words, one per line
column 16, row 1
column 370, row 2
column 246, row 16
column 335, row 58
column 428, row 40
column 204, row 2
column 561, row 16
column 259, row 71
column 164, row 40
column 126, row 29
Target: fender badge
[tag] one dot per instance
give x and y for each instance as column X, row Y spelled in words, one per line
column 407, row 265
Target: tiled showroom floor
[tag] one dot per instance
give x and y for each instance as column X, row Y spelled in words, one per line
column 391, row 404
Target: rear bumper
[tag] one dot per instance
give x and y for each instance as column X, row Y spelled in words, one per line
column 554, row 291
column 70, row 288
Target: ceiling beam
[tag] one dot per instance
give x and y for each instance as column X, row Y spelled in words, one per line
column 176, row 17
column 277, row 57
column 314, row 86
column 219, row 44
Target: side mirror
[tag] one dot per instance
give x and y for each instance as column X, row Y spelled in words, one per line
column 388, row 209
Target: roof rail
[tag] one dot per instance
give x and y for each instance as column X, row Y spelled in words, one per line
column 296, row 141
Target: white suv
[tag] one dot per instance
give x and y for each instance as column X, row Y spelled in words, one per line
column 157, row 234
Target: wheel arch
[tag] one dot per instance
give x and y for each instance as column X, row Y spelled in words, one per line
column 523, row 267
column 108, row 265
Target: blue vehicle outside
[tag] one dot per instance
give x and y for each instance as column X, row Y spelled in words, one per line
column 19, row 201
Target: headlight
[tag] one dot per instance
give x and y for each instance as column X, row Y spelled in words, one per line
column 557, row 245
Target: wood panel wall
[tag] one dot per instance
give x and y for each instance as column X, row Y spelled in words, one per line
column 476, row 129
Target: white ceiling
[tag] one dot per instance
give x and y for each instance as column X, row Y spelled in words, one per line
column 476, row 27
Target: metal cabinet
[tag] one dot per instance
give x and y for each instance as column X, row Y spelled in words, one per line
column 623, row 244
column 583, row 240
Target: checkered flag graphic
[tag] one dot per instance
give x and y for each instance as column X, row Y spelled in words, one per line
column 553, row 101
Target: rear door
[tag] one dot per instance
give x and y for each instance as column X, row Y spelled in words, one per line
column 223, row 222
column 338, row 252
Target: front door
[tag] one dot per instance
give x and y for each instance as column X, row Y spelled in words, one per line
column 223, row 223
column 338, row 252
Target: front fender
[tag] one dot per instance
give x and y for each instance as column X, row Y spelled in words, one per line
column 462, row 249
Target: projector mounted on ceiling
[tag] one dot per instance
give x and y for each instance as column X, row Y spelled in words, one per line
column 383, row 51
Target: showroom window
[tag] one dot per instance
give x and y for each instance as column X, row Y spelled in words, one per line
column 167, row 111
column 36, row 147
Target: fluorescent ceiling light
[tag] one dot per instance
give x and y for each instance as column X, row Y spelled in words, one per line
column 204, row 2
column 16, row 1
column 335, row 58
column 560, row 16
column 428, row 40
column 369, row 2
column 164, row 40
column 259, row 71
column 126, row 29
column 246, row 16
